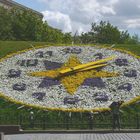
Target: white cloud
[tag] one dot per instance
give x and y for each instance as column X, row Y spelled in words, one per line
column 72, row 15
column 107, row 10
column 133, row 23
column 69, row 14
column 79, row 27
column 62, row 21
column 58, row 20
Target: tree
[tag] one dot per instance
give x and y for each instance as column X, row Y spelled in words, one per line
column 104, row 32
column 5, row 25
column 134, row 39
column 87, row 38
column 17, row 24
column 67, row 38
column 124, row 37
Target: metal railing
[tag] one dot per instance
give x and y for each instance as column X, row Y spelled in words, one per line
column 65, row 120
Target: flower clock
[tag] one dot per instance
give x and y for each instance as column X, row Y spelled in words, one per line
column 75, row 79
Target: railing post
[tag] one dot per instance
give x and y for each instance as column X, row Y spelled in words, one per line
column 31, row 119
column 137, row 119
column 20, row 120
column 91, row 121
column 44, row 120
column 0, row 118
column 67, row 120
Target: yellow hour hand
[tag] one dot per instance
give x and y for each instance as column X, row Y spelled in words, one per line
column 87, row 66
column 79, row 68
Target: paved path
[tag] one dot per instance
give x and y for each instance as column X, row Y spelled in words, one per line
column 109, row 136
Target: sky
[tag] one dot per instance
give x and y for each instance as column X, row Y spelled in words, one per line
column 77, row 15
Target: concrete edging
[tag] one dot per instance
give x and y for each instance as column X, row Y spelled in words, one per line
column 74, row 131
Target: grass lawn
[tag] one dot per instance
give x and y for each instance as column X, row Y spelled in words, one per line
column 133, row 48
column 7, row 47
column 6, row 108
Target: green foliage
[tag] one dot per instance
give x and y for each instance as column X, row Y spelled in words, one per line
column 106, row 33
column 124, row 37
column 5, row 25
column 87, row 38
column 17, row 24
column 132, row 40
column 67, row 38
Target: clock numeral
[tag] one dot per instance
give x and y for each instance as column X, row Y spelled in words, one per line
column 71, row 100
column 19, row 87
column 100, row 96
column 42, row 54
column 121, row 62
column 47, row 82
column 52, row 65
column 72, row 50
column 98, row 56
column 32, row 62
column 94, row 82
column 39, row 95
column 28, row 63
column 14, row 73
column 49, row 53
column 126, row 86
column 21, row 62
column 130, row 73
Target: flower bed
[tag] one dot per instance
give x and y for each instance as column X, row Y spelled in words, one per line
column 92, row 90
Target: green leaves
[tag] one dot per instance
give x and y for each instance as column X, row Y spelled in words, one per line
column 17, row 24
column 106, row 33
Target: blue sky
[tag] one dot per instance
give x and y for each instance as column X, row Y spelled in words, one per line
column 77, row 15
column 34, row 4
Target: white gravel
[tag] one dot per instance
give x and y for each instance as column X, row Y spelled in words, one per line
column 55, row 95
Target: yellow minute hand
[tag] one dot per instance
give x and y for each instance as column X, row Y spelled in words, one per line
column 92, row 67
column 87, row 66
column 78, row 68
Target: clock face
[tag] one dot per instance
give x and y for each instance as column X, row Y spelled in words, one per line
column 29, row 78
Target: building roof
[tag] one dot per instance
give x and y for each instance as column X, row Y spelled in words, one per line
column 11, row 3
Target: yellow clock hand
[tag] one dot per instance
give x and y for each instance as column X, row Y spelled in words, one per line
column 56, row 73
column 92, row 67
column 78, row 68
column 87, row 66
